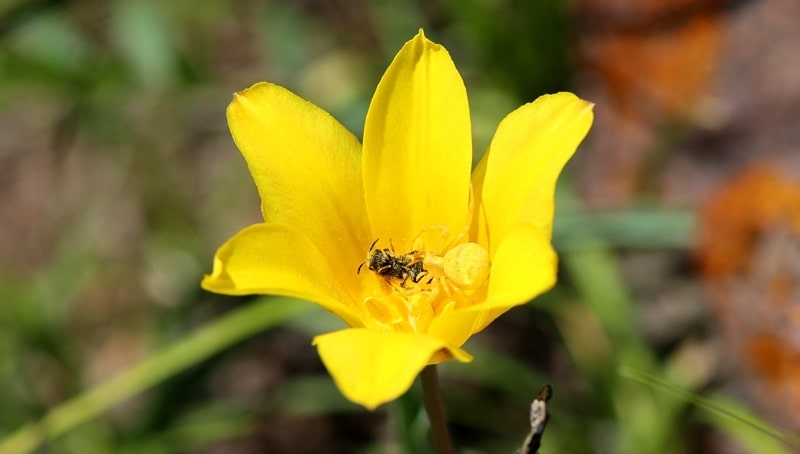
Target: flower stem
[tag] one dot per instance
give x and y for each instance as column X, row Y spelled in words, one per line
column 435, row 409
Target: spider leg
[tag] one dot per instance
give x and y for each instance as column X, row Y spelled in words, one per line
column 465, row 231
column 448, row 290
column 416, row 244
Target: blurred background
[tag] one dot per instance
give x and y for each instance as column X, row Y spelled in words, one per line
column 678, row 221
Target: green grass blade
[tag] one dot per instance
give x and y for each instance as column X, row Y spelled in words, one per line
column 738, row 423
column 637, row 227
column 213, row 338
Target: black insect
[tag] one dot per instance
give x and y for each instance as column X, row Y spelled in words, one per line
column 389, row 265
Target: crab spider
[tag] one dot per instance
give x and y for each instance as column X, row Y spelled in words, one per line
column 459, row 267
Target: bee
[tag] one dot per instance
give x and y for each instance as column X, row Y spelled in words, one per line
column 391, row 266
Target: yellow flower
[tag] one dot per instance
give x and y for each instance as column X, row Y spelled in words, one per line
column 453, row 251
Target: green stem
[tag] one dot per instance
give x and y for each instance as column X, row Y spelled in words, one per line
column 435, row 409
column 212, row 338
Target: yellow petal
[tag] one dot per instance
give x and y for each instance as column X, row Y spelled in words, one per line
column 373, row 367
column 307, row 168
column 479, row 233
column 278, row 260
column 417, row 145
column 517, row 181
column 456, row 326
column 524, row 266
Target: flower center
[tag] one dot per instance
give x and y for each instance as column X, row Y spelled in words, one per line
column 419, row 284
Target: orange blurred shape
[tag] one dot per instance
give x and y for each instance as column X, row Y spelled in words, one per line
column 749, row 255
column 774, row 359
column 654, row 58
column 758, row 200
column 645, row 64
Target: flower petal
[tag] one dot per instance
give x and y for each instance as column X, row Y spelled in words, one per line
column 455, row 325
column 276, row 259
column 524, row 266
column 516, row 178
column 372, row 367
column 417, row 145
column 307, row 168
